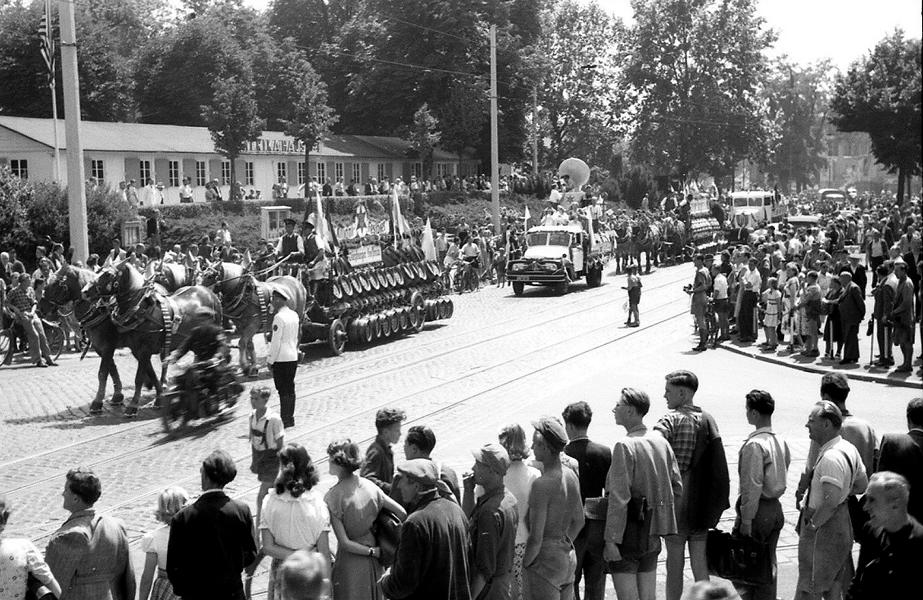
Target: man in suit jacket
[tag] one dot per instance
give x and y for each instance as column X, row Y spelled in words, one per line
column 852, row 311
column 594, row 461
column 89, row 555
column 212, row 540
column 903, row 454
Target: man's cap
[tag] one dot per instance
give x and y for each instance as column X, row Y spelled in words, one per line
column 899, row 262
column 552, row 430
column 281, row 291
column 289, row 220
column 419, row 470
column 493, row 457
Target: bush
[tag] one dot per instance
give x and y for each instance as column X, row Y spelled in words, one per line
column 36, row 213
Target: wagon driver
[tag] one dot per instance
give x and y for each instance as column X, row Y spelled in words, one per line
column 291, row 245
column 314, row 256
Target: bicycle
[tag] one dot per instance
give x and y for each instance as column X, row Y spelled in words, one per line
column 53, row 333
column 467, row 278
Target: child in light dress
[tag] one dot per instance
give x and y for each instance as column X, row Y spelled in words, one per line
column 154, row 544
column 771, row 304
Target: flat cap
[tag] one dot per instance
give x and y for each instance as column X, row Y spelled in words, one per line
column 420, row 470
column 553, row 431
column 288, row 220
column 493, row 457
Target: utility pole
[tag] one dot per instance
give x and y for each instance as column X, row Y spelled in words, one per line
column 494, row 144
column 535, row 129
column 76, row 192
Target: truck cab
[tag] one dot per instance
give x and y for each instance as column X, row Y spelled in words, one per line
column 755, row 209
column 543, row 263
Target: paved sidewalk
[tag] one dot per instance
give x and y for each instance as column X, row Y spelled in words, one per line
column 862, row 370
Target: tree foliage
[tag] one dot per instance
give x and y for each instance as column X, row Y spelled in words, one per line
column 691, row 85
column 232, row 120
column 880, row 94
column 424, row 136
column 309, row 118
column 798, row 98
column 576, row 72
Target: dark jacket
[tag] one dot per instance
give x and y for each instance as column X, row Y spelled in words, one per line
column 378, row 466
column 432, row 556
column 852, row 306
column 710, row 484
column 211, row 542
column 889, row 563
column 594, row 460
column 492, row 530
column 902, row 453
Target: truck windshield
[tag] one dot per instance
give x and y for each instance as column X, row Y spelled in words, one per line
column 537, row 239
column 559, row 238
column 740, row 201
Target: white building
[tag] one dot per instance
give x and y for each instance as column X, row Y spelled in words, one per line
column 115, row 152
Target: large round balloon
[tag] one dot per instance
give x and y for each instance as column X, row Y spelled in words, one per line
column 577, row 170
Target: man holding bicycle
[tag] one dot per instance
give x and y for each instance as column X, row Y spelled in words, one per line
column 21, row 302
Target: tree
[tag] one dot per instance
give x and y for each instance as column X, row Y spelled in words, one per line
column 578, row 72
column 880, row 94
column 232, row 120
column 310, row 23
column 424, row 137
column 690, row 92
column 309, row 119
column 798, row 101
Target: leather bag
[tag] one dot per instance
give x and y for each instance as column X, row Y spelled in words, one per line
column 738, row 558
column 387, row 532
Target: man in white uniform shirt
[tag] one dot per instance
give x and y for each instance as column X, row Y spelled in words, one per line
column 283, row 354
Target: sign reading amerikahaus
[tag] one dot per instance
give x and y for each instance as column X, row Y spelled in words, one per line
column 278, row 146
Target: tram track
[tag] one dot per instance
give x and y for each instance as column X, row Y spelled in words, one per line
column 366, row 411
column 537, row 319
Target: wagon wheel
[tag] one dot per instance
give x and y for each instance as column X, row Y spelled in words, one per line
column 417, row 311
column 336, row 337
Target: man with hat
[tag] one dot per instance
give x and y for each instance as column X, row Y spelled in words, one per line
column 432, row 556
column 555, row 517
column 291, row 244
column 314, row 256
column 852, row 311
column 492, row 525
column 283, row 353
column 901, row 316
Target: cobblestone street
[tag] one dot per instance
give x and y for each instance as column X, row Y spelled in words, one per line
column 500, row 359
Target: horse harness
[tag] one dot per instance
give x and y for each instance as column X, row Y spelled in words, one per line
column 234, row 309
column 134, row 317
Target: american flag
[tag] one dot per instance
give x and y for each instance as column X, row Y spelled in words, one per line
column 46, row 44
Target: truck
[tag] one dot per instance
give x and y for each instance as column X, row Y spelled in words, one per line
column 756, row 209
column 543, row 262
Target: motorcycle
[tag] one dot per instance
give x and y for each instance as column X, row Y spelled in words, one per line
column 207, row 389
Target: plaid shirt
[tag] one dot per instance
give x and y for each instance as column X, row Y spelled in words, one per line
column 21, row 297
column 679, row 427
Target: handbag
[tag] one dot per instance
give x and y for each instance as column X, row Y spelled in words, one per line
column 738, row 558
column 387, row 532
column 636, row 540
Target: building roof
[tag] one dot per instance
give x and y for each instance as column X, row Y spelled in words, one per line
column 177, row 139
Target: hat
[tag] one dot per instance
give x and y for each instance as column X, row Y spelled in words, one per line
column 493, row 457
column 899, row 262
column 281, row 291
column 288, row 220
column 419, row 470
column 553, row 432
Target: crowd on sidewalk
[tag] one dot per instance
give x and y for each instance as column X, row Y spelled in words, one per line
column 553, row 527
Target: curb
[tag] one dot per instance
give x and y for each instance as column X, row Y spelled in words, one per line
column 821, row 370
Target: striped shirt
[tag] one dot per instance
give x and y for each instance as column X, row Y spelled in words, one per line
column 21, row 297
column 679, row 427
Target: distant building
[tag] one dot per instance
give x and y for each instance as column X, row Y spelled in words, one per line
column 850, row 163
column 114, row 152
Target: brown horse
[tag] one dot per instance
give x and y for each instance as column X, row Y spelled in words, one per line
column 172, row 276
column 66, row 286
column 246, row 302
column 156, row 323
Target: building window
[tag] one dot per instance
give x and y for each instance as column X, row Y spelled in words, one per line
column 173, row 173
column 200, row 173
column 281, row 172
column 381, row 171
column 144, row 170
column 300, row 173
column 416, row 169
column 248, row 173
column 225, row 172
column 321, row 172
column 338, row 170
column 20, row 168
column 357, row 171
column 96, row 170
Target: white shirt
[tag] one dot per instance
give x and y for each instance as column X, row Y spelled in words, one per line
column 720, row 284
column 833, row 467
column 755, row 280
column 795, row 247
column 284, row 344
column 295, row 523
column 518, row 481
column 157, row 541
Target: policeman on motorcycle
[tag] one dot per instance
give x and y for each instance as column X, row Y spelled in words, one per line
column 209, row 370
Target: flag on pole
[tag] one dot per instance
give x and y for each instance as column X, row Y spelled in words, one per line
column 428, row 242
column 46, row 43
column 320, row 222
column 527, row 216
column 399, row 225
